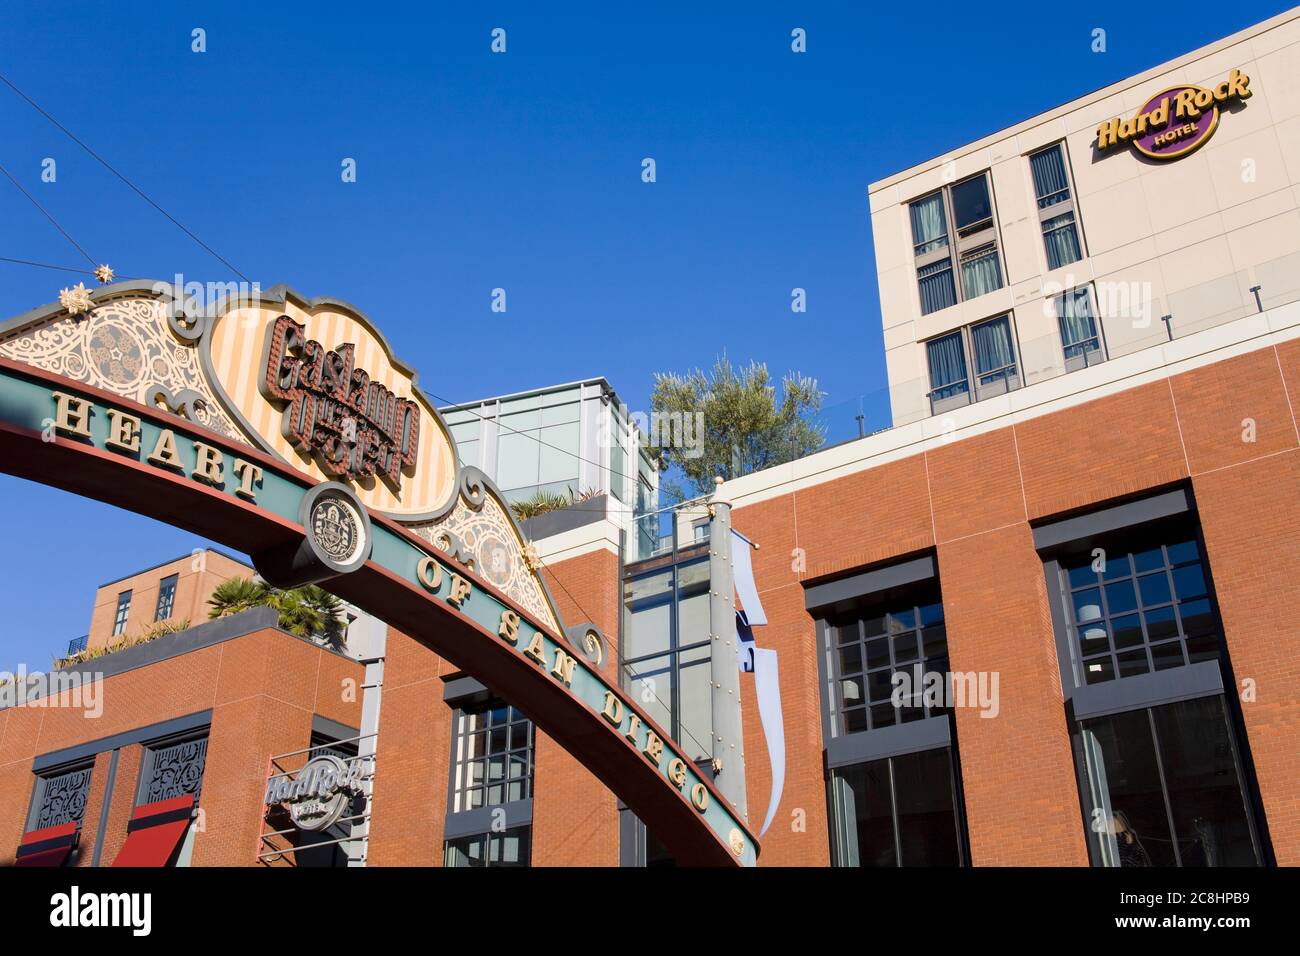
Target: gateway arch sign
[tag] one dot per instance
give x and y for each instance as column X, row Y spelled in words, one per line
column 285, row 427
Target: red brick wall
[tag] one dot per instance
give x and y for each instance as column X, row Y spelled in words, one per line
column 972, row 500
column 575, row 818
column 412, row 758
column 262, row 689
column 197, row 577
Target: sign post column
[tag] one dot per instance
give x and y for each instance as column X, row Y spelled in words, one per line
column 728, row 743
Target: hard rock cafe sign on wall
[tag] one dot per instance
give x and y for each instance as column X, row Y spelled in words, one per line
column 286, row 427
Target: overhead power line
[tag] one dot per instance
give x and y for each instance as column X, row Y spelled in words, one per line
column 46, row 213
column 109, row 166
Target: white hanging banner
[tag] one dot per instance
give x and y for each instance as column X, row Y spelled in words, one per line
column 743, row 576
column 768, row 686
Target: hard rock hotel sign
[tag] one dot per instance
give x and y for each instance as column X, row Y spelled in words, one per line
column 285, row 428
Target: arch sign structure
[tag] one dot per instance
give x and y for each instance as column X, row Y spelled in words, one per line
column 285, row 427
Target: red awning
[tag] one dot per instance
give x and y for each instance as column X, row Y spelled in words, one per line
column 47, row 847
column 155, row 831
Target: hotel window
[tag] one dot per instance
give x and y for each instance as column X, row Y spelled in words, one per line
column 666, row 653
column 1056, row 212
column 60, row 797
column 491, row 776
column 665, row 660
column 972, row 253
column 123, row 611
column 893, row 791
column 1158, row 736
column 1080, row 331
column 166, row 598
column 983, row 354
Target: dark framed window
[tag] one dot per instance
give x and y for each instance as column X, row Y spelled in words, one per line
column 492, row 759
column 172, row 767
column 972, row 363
column 1080, row 331
column 666, row 650
column 1056, row 211
column 166, row 598
column 970, row 248
column 122, row 613
column 870, row 647
column 1163, row 762
column 899, row 811
column 512, row 847
column 1137, row 611
column 893, row 785
column 1164, row 786
column 60, row 797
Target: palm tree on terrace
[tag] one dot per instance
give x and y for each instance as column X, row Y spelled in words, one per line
column 307, row 611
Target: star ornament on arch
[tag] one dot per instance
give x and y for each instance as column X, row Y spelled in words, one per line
column 104, row 274
column 76, row 300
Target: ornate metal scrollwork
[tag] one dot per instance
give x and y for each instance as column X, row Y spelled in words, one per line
column 185, row 402
column 63, row 798
column 451, row 545
column 588, row 639
column 176, row 770
column 187, row 328
column 473, row 487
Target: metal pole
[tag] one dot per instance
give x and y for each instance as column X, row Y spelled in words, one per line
column 728, row 743
column 372, row 689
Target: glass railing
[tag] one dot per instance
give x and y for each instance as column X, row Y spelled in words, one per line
column 666, row 530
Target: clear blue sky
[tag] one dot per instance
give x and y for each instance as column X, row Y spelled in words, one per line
column 519, row 171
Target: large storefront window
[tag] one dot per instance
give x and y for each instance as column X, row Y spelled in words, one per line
column 490, row 799
column 894, row 788
column 900, row 811
column 1164, row 787
column 1164, row 779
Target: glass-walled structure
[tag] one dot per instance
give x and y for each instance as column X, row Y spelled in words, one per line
column 664, row 662
column 571, row 440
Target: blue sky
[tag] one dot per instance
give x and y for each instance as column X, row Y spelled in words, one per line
column 520, row 171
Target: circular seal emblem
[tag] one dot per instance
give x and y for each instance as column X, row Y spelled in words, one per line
column 337, row 526
column 737, row 841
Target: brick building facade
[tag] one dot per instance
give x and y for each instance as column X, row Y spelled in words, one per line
column 1105, row 545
